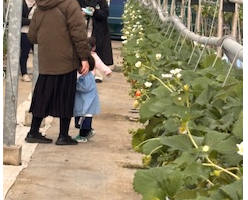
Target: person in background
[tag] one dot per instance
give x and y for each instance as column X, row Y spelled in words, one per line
column 59, row 30
column 97, row 12
column 28, row 7
column 99, row 65
column 86, row 104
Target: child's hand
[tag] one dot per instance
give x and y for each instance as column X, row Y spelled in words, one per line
column 109, row 75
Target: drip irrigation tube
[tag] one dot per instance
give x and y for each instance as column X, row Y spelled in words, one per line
column 228, row 42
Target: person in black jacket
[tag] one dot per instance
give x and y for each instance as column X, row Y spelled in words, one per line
column 97, row 26
column 28, row 8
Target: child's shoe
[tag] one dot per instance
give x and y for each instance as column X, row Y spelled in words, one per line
column 81, row 139
column 90, row 134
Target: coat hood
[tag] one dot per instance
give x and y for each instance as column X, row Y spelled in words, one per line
column 47, row 4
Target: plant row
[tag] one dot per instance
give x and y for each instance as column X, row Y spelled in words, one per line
column 190, row 112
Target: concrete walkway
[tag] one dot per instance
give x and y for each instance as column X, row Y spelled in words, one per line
column 102, row 169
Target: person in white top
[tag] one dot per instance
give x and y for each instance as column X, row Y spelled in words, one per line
column 100, row 66
column 28, row 8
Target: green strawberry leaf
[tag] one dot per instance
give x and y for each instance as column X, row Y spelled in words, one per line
column 228, row 150
column 160, row 182
column 238, row 127
column 178, row 142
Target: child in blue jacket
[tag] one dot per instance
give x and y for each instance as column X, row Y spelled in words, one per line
column 86, row 99
column 86, row 103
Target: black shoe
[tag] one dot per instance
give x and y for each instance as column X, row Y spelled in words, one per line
column 77, row 126
column 98, row 80
column 37, row 138
column 66, row 141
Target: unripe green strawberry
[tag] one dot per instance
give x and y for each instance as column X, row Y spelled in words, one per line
column 217, row 173
column 136, row 104
column 186, row 88
column 146, row 160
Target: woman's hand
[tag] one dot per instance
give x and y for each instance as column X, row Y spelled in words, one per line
column 88, row 11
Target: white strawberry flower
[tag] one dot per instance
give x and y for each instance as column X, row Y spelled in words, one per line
column 240, row 146
column 137, row 55
column 179, row 75
column 167, row 75
column 175, row 71
column 148, row 84
column 158, row 56
column 138, row 64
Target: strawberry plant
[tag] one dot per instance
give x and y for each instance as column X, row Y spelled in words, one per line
column 191, row 117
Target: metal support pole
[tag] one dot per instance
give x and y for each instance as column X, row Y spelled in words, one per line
column 235, row 21
column 189, row 15
column 35, row 66
column 220, row 25
column 10, row 107
column 198, row 19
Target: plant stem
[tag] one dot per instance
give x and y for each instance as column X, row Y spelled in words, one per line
column 156, row 149
column 220, row 168
column 147, row 141
column 208, row 180
column 148, row 67
column 190, row 136
column 187, row 99
column 170, row 64
column 168, row 82
column 177, row 81
column 147, row 96
column 233, row 168
column 162, row 83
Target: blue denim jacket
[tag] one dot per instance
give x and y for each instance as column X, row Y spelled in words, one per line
column 86, row 98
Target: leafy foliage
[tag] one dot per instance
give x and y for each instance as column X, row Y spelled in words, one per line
column 191, row 116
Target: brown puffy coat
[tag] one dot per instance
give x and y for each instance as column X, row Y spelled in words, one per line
column 58, row 27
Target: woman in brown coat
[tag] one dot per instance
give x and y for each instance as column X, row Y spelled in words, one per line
column 58, row 28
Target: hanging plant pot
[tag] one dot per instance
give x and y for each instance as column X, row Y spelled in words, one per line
column 228, row 6
column 194, row 2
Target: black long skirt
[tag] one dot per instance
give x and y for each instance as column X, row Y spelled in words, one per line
column 54, row 95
